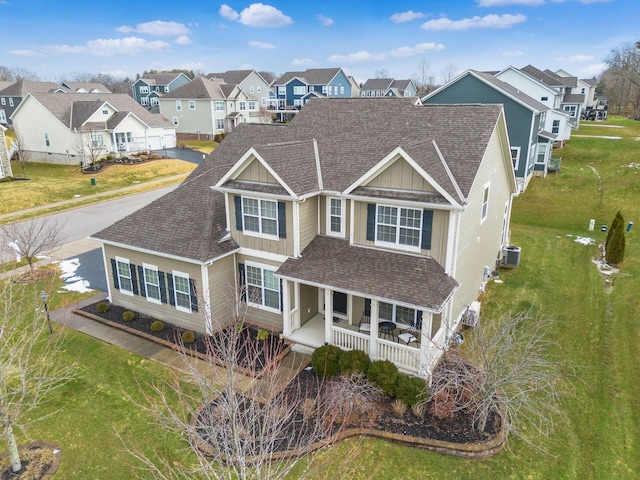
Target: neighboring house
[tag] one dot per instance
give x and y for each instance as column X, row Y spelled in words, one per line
column 67, row 128
column 5, row 164
column 11, row 96
column 388, row 87
column 85, row 87
column 530, row 144
column 557, row 121
column 322, row 223
column 248, row 80
column 291, row 87
column 355, row 88
column 210, row 107
column 156, row 82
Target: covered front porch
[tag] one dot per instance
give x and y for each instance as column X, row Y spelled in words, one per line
column 373, row 309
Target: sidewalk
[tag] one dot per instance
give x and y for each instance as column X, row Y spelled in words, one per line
column 70, row 202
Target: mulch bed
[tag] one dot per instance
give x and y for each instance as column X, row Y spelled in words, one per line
column 251, row 354
column 40, row 460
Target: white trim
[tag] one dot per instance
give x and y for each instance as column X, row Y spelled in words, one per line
column 260, row 234
column 397, row 245
column 106, row 269
column 272, row 257
column 328, row 216
column 124, row 260
column 262, row 268
column 296, row 227
column 147, row 266
column 154, row 252
column 484, row 213
column 517, row 163
column 206, row 299
column 318, row 167
column 175, row 274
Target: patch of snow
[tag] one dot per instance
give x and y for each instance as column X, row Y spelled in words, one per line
column 598, row 136
column 81, row 286
column 601, row 126
column 585, row 240
column 72, row 282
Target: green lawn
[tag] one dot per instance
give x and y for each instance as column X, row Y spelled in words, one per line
column 597, row 437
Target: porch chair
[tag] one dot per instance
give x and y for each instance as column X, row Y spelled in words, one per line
column 365, row 322
column 409, row 336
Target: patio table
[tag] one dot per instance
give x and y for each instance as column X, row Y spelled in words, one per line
column 386, row 329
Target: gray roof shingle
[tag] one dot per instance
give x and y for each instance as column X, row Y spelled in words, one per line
column 311, row 76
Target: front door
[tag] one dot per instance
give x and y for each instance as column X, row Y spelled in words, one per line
column 340, row 304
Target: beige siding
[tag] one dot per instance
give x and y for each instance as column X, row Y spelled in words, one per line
column 98, row 116
column 222, row 289
column 479, row 244
column 165, row 311
column 401, row 175
column 258, row 315
column 256, row 172
column 201, row 120
column 281, row 246
column 439, row 233
column 308, row 302
column 308, row 221
column 346, row 206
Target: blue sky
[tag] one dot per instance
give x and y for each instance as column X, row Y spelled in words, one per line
column 363, row 37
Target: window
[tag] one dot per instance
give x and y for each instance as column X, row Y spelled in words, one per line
column 335, row 219
column 154, row 100
column 46, row 139
column 297, row 102
column 175, row 121
column 263, row 288
column 192, row 105
column 105, row 112
column 542, row 153
column 582, row 90
column 250, row 88
column 260, row 216
column 335, row 90
column 242, row 105
column 572, row 109
column 556, row 126
column 97, row 140
column 398, row 314
column 252, row 105
column 398, row 226
column 144, row 100
column 144, row 89
column 341, row 90
column 152, row 283
column 122, row 137
column 179, row 105
column 3, row 100
column 299, row 90
column 324, row 89
column 219, row 123
column 544, row 99
column 219, row 106
column 485, row 203
column 282, row 91
column 10, row 102
column 259, row 89
column 124, row 276
column 3, row 117
column 181, row 291
column 515, row 157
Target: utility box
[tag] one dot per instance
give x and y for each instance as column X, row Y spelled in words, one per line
column 511, row 256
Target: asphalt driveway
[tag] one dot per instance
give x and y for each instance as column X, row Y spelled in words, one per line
column 186, row 154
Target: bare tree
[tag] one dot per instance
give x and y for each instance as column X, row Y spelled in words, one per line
column 508, row 371
column 448, row 72
column 32, row 238
column 17, row 147
column 382, row 73
column 29, row 368
column 622, row 77
column 239, row 424
column 91, row 146
column 423, row 77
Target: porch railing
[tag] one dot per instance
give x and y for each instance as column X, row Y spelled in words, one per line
column 349, row 340
column 404, row 357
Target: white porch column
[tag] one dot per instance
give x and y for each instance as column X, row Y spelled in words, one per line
column 373, row 339
column 328, row 314
column 296, row 305
column 424, row 359
column 286, row 309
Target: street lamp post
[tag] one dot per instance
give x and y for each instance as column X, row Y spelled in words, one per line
column 43, row 296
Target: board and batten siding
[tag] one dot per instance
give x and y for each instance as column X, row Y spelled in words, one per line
column 401, row 175
column 479, row 243
column 164, row 311
column 255, row 172
column 439, row 230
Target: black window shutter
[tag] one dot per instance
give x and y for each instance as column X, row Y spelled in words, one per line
column 172, row 298
column 237, row 200
column 134, row 278
column 282, row 220
column 371, row 221
column 163, row 287
column 194, row 295
column 242, row 282
column 281, row 302
column 114, row 272
column 143, row 289
column 427, row 223
column 367, row 307
column 418, row 324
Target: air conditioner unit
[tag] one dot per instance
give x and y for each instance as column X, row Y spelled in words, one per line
column 471, row 315
column 511, row 256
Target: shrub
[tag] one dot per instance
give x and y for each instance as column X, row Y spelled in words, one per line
column 188, row 336
column 398, row 407
column 384, row 374
column 351, row 395
column 308, row 408
column 102, row 307
column 354, row 361
column 325, row 361
column 419, row 409
column 615, row 246
column 157, row 326
column 410, row 390
column 128, row 315
column 262, row 335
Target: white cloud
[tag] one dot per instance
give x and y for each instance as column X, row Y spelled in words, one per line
column 26, row 53
column 183, row 40
column 357, row 57
column 326, row 21
column 302, row 62
column 504, row 3
column 115, row 73
column 229, row 13
column 192, row 66
column 157, row 28
column 266, row 46
column 592, row 70
column 417, row 49
column 104, row 47
column 512, row 53
column 576, row 58
column 406, row 16
column 488, row 21
column 256, row 15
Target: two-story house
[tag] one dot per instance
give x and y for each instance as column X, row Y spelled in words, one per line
column 209, row 107
column 249, row 81
column 292, row 87
column 323, row 226
column 156, row 82
column 66, row 128
column 5, row 163
column 525, row 116
column 12, row 95
column 388, row 87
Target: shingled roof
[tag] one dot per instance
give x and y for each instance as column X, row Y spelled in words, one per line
column 199, row 88
column 232, row 77
column 22, row 87
column 311, row 76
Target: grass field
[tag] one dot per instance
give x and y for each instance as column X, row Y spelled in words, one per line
column 598, row 435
